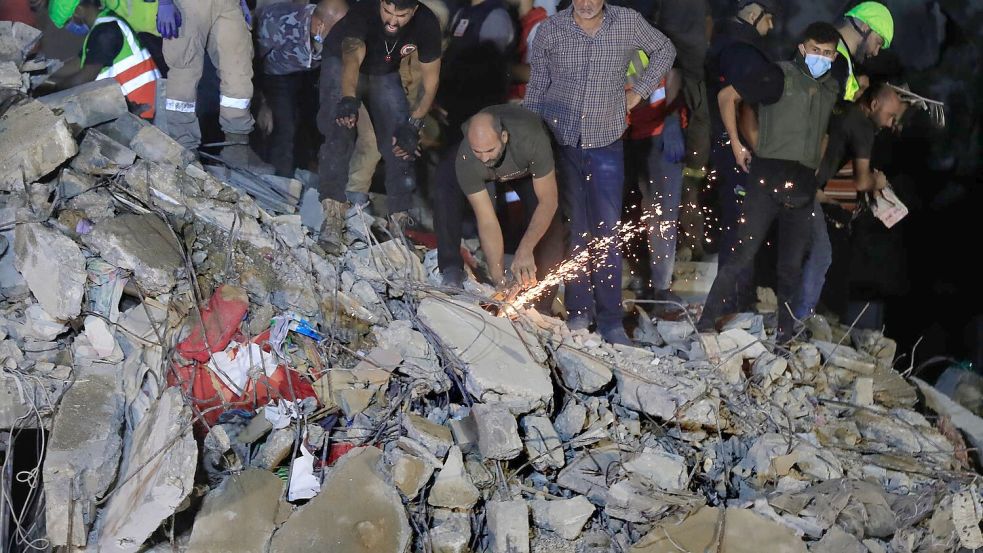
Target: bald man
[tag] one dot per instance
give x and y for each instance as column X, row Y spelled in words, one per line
column 503, row 144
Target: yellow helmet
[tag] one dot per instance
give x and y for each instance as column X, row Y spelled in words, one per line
column 877, row 17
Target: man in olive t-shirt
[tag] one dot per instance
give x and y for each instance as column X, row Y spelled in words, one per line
column 507, row 143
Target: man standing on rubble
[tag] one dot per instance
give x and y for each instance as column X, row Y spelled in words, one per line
column 852, row 129
column 290, row 38
column 361, row 64
column 794, row 100
column 222, row 26
column 578, row 62
column 111, row 50
column 509, row 144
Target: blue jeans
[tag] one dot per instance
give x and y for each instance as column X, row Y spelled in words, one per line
column 661, row 185
column 591, row 189
column 817, row 263
column 385, row 100
column 729, row 179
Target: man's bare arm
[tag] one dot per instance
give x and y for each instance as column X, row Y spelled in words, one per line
column 490, row 234
column 728, row 100
column 524, row 264
column 352, row 55
column 431, row 79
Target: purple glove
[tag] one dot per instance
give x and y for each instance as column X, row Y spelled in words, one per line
column 246, row 14
column 673, row 142
column 168, row 19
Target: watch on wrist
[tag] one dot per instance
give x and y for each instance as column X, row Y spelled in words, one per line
column 417, row 123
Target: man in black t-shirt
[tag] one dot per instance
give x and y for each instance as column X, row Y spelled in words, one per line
column 508, row 144
column 361, row 64
column 852, row 128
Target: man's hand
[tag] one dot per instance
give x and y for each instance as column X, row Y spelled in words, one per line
column 168, row 19
column 346, row 113
column 741, row 154
column 524, row 267
column 632, row 99
column 406, row 141
column 880, row 180
column 264, row 119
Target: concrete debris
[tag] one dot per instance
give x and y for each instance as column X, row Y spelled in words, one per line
column 152, row 305
column 17, row 40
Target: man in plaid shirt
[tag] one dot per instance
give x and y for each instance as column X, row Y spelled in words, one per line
column 578, row 61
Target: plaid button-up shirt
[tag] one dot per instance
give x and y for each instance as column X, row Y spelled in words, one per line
column 577, row 82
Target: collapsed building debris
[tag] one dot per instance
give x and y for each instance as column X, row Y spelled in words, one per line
column 208, row 379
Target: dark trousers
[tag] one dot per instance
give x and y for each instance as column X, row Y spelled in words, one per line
column 282, row 95
column 592, row 184
column 449, row 210
column 730, row 180
column 385, row 100
column 794, row 237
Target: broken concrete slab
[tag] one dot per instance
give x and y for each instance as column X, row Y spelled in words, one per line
column 508, row 526
column 141, row 243
column 17, row 41
column 749, row 346
column 10, row 77
column 33, row 142
column 571, row 420
column 83, row 452
column 437, row 438
column 665, row 390
column 153, row 144
column 88, row 104
column 674, row 331
column 543, row 445
column 53, row 266
column 41, row 326
column 713, row 529
column 500, row 367
column 410, row 473
column 498, row 434
column 451, row 532
column 101, row 155
column 846, row 357
column 566, row 517
column 580, row 371
column 420, row 361
column 255, row 497
column 838, row 541
column 962, row 418
column 665, row 470
column 453, row 488
column 156, row 475
column 587, row 473
column 372, row 520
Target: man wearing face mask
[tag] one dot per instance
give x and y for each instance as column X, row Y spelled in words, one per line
column 361, row 64
column 509, row 144
column 111, row 50
column 794, row 107
column 289, row 40
column 864, row 31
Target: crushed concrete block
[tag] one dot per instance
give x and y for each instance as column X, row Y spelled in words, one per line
column 566, row 517
column 275, row 449
column 498, row 434
column 543, row 445
column 633, row 501
column 100, row 155
column 667, row 393
column 53, row 266
column 410, row 473
column 751, row 347
column 453, row 488
column 499, row 365
column 141, row 243
column 465, row 432
column 838, row 541
column 156, row 475
column 863, row 391
column 744, row 531
column 10, row 77
column 435, row 437
column 768, row 367
column 371, row 520
column 420, row 361
column 72, row 183
column 41, row 326
column 674, row 331
column 33, row 143
column 255, row 496
column 124, row 128
column 665, row 470
column 846, row 357
column 451, row 532
column 962, row 418
column 88, row 104
column 153, row 144
column 586, row 474
column 17, row 41
column 580, row 371
column 508, row 526
column 571, row 420
column 82, row 454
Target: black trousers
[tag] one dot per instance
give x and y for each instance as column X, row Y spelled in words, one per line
column 761, row 209
column 282, row 95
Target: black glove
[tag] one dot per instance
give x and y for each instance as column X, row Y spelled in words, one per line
column 407, row 137
column 347, row 107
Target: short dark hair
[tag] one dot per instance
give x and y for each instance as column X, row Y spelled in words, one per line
column 821, row 32
column 876, row 90
column 403, row 4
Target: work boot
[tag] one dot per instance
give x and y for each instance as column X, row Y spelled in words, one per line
column 239, row 155
column 616, row 335
column 331, row 237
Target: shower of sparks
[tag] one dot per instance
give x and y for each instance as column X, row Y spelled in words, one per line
column 594, row 254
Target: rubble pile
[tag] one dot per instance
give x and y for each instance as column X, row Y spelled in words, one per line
column 209, row 379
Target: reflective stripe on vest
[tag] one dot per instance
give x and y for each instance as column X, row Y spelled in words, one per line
column 133, row 69
column 852, row 85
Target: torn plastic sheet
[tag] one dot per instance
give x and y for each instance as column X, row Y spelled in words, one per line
column 234, row 365
column 279, row 414
column 303, row 483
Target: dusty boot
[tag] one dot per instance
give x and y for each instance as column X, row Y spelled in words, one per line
column 333, row 227
column 398, row 223
column 239, row 155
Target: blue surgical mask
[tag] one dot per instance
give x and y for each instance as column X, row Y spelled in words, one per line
column 77, row 28
column 818, row 65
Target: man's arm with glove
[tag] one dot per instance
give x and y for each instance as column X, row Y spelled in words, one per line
column 168, row 19
column 406, row 138
column 352, row 55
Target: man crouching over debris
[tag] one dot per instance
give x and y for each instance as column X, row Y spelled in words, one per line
column 507, row 143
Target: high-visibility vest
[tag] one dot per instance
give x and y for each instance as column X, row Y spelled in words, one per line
column 852, row 85
column 133, row 68
column 646, row 119
column 140, row 15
